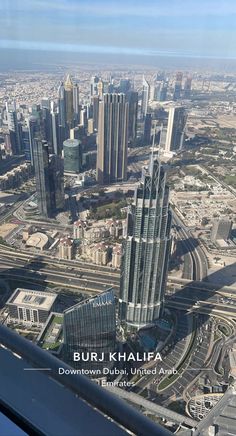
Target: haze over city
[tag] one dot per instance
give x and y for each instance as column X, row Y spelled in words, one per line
column 130, row 32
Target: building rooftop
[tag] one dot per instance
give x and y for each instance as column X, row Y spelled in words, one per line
column 71, row 143
column 80, row 223
column 32, row 299
column 37, row 240
column 66, row 241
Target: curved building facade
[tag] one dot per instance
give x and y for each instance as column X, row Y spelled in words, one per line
column 146, row 250
column 72, row 155
column 90, row 327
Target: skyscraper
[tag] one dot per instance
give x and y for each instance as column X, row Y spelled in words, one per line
column 161, row 91
column 76, row 106
column 69, row 107
column 14, row 131
column 61, row 105
column 41, row 166
column 49, row 179
column 26, row 142
column 146, row 249
column 147, row 129
column 100, row 88
column 124, row 86
column 112, row 140
column 145, row 97
column 56, row 146
column 178, row 86
column 175, row 129
column 33, row 124
column 95, row 102
column 187, row 87
column 132, row 98
column 93, row 86
column 56, row 182
column 72, row 155
column 90, row 326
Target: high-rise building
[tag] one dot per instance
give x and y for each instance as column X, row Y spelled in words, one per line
column 68, row 105
column 145, row 97
column 161, row 91
column 100, row 88
column 124, row 86
column 69, row 98
column 187, row 87
column 47, row 126
column 146, row 249
column 72, row 155
column 90, row 326
column 56, row 148
column 33, row 124
column 76, row 105
column 112, row 140
column 61, row 105
column 25, row 135
column 66, row 248
column 93, row 86
column 49, row 179
column 132, row 98
column 56, row 182
column 147, row 129
column 46, row 103
column 178, row 86
column 41, row 167
column 95, row 102
column 14, row 131
column 175, row 129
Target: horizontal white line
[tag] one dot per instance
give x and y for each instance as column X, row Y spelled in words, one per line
column 37, row 369
column 197, row 369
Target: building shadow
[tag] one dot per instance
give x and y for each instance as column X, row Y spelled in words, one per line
column 27, row 276
column 206, row 290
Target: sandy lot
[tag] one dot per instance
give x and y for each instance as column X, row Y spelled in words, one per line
column 5, row 229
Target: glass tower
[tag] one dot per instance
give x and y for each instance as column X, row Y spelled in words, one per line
column 146, row 249
column 90, row 326
column 112, row 139
column 49, row 177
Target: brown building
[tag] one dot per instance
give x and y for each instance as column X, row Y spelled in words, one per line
column 116, row 256
column 66, row 248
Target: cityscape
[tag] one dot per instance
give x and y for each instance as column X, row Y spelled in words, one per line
column 117, row 247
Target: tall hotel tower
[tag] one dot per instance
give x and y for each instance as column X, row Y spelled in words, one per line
column 90, row 326
column 175, row 129
column 112, row 139
column 146, row 249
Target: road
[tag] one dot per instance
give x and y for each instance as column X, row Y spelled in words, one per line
column 82, row 277
column 195, row 257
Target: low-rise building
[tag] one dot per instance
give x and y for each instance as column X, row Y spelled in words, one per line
column 28, row 230
column 30, row 307
column 38, row 240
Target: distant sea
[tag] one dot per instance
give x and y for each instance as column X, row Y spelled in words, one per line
column 28, row 60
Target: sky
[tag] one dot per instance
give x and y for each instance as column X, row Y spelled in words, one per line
column 151, row 28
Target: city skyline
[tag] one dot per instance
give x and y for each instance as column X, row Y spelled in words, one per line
column 118, row 217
